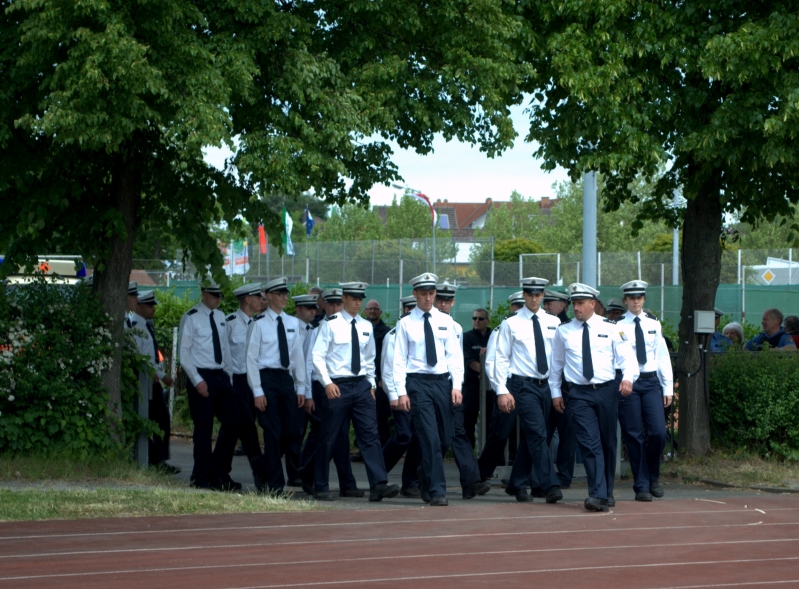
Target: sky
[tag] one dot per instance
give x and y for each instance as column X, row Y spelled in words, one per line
column 459, row 172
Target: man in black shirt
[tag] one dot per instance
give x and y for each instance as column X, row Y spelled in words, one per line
column 373, row 314
column 474, row 344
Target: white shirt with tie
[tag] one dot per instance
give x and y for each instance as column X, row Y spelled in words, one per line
column 410, row 352
column 657, row 353
column 238, row 326
column 332, row 349
column 387, row 365
column 197, row 344
column 263, row 350
column 516, row 351
column 610, row 346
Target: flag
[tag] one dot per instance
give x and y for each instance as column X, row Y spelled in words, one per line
column 236, row 259
column 308, row 222
column 288, row 224
column 262, row 238
column 423, row 198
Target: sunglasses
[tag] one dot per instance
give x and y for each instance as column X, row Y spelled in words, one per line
column 479, row 318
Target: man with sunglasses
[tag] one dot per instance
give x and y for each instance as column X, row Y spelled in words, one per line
column 475, row 343
column 276, row 374
column 205, row 358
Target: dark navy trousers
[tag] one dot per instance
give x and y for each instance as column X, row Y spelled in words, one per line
column 462, row 448
column 431, row 412
column 158, row 451
column 595, row 413
column 210, row 466
column 644, row 409
column 355, row 403
column 247, row 432
column 500, row 428
column 403, row 442
column 279, row 418
column 341, row 450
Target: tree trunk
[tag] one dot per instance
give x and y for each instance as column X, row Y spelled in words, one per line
column 701, row 266
column 113, row 273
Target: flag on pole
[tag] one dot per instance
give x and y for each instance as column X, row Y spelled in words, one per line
column 424, row 199
column 288, row 224
column 308, row 222
column 262, row 238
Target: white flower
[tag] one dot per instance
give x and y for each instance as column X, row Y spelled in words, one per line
column 11, row 397
column 89, row 415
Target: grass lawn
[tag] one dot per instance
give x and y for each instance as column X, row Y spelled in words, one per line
column 740, row 469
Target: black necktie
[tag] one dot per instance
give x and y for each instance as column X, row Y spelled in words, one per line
column 540, row 350
column 215, row 337
column 356, row 351
column 429, row 342
column 588, row 363
column 640, row 344
column 282, row 343
column 155, row 341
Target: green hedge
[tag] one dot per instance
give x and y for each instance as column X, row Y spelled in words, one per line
column 754, row 401
column 55, row 342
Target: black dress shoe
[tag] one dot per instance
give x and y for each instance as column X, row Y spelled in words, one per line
column 200, row 485
column 643, row 496
column 594, row 504
column 239, row 451
column 410, row 492
column 324, row 496
column 439, row 501
column 356, row 492
column 554, row 494
column 538, row 492
column 522, row 496
column 656, row 489
column 260, row 483
column 357, row 457
column 611, row 501
column 383, row 491
column 166, row 468
column 226, row 484
column 308, row 488
column 423, row 492
column 295, row 482
column 477, row 488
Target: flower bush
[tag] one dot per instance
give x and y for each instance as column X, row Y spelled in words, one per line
column 55, row 343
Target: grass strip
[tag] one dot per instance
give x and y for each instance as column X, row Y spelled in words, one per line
column 740, row 469
column 45, row 504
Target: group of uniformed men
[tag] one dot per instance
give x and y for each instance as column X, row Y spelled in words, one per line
column 319, row 369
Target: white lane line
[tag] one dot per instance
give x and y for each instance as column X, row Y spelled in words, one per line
column 743, row 584
column 761, row 511
column 294, row 526
column 394, row 557
column 383, row 539
column 711, row 501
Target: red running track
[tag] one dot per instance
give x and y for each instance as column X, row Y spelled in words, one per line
column 738, row 542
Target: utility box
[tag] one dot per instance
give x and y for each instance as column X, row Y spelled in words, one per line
column 704, row 322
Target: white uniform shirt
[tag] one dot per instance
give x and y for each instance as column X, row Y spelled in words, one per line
column 410, row 354
column 332, row 350
column 263, row 350
column 238, row 327
column 609, row 347
column 387, row 366
column 144, row 342
column 657, row 354
column 516, row 351
column 307, row 350
column 491, row 356
column 197, row 344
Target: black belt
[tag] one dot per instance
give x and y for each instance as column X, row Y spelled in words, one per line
column 346, row 379
column 647, row 375
column 278, row 370
column 592, row 385
column 425, row 376
column 538, row 381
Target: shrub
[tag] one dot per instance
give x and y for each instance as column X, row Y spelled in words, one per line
column 754, row 401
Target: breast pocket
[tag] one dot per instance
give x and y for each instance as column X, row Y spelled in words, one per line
column 341, row 337
column 204, row 333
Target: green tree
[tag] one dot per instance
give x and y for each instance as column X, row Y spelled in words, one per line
column 517, row 218
column 407, row 219
column 105, row 108
column 709, row 86
column 352, row 223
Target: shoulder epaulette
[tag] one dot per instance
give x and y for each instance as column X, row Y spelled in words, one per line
column 191, row 311
column 257, row 317
column 128, row 323
column 606, row 320
column 331, row 317
column 512, row 314
column 403, row 315
column 392, row 331
column 230, row 317
column 564, row 321
column 651, row 316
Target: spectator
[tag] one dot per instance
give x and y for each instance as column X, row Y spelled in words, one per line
column 719, row 342
column 734, row 332
column 791, row 326
column 773, row 333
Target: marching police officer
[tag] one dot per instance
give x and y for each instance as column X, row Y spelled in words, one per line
column 144, row 334
column 316, row 406
column 614, row 309
column 522, row 364
column 276, row 374
column 426, row 352
column 643, row 409
column 205, row 358
column 556, row 303
column 344, row 359
column 585, row 351
column 238, row 326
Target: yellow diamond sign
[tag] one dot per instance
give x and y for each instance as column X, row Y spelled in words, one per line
column 768, row 276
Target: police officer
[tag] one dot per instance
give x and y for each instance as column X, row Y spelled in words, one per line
column 144, row 334
column 462, row 443
column 585, row 351
column 615, row 309
column 315, row 407
column 501, row 426
column 521, row 369
column 652, row 392
column 276, row 374
column 557, row 303
column 205, row 358
column 404, row 441
column 474, row 344
column 426, row 353
column 344, row 359
column 238, row 326
column 131, row 300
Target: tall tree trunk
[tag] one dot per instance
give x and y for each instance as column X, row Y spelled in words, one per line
column 111, row 281
column 701, row 267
